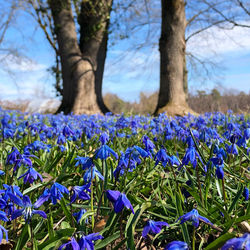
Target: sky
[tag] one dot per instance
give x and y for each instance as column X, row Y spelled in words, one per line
column 127, row 73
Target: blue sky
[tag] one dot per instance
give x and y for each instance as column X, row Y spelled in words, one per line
column 127, row 73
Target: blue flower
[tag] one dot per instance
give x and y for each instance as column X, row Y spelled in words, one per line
column 232, row 149
column 72, row 244
column 153, row 227
column 13, row 156
column 3, row 216
column 161, row 156
column 177, row 245
column 3, row 230
column 149, row 145
column 67, row 131
column 238, row 243
column 54, row 193
column 10, row 189
column 86, row 242
column 31, row 175
column 194, row 217
column 220, row 171
column 87, row 175
column 246, row 193
column 85, row 162
column 61, row 139
column 247, row 133
column 25, row 160
column 104, row 138
column 27, row 208
column 104, row 152
column 79, row 215
column 119, row 200
column 2, row 172
column 112, row 195
column 79, row 191
column 190, row 156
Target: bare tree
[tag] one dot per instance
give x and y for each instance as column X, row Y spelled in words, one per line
column 80, row 57
column 172, row 43
column 8, row 11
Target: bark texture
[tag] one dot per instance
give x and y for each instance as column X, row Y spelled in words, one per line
column 94, row 22
column 78, row 69
column 172, row 98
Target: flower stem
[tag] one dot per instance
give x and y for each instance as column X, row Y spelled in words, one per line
column 193, row 239
column 92, row 200
column 199, row 183
column 224, row 193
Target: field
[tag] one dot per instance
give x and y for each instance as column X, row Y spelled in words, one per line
column 124, row 182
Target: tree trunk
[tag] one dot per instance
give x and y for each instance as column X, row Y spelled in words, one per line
column 77, row 72
column 185, row 77
column 172, row 98
column 94, row 22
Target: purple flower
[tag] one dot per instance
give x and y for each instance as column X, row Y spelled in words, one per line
column 238, row 243
column 194, row 217
column 27, row 208
column 177, row 245
column 31, row 175
column 153, row 227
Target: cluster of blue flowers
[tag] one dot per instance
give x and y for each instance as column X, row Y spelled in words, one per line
column 32, row 144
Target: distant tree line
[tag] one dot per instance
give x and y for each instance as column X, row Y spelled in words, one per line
column 201, row 102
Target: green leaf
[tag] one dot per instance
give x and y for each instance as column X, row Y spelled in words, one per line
column 53, row 164
column 33, row 188
column 132, row 221
column 219, row 242
column 59, row 235
column 107, row 240
column 50, row 225
column 183, row 226
column 66, row 211
column 23, row 238
column 236, row 199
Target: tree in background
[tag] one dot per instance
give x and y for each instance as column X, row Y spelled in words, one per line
column 172, row 98
column 82, row 63
column 80, row 57
column 172, row 45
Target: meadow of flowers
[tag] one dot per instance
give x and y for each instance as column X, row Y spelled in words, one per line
column 124, row 182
